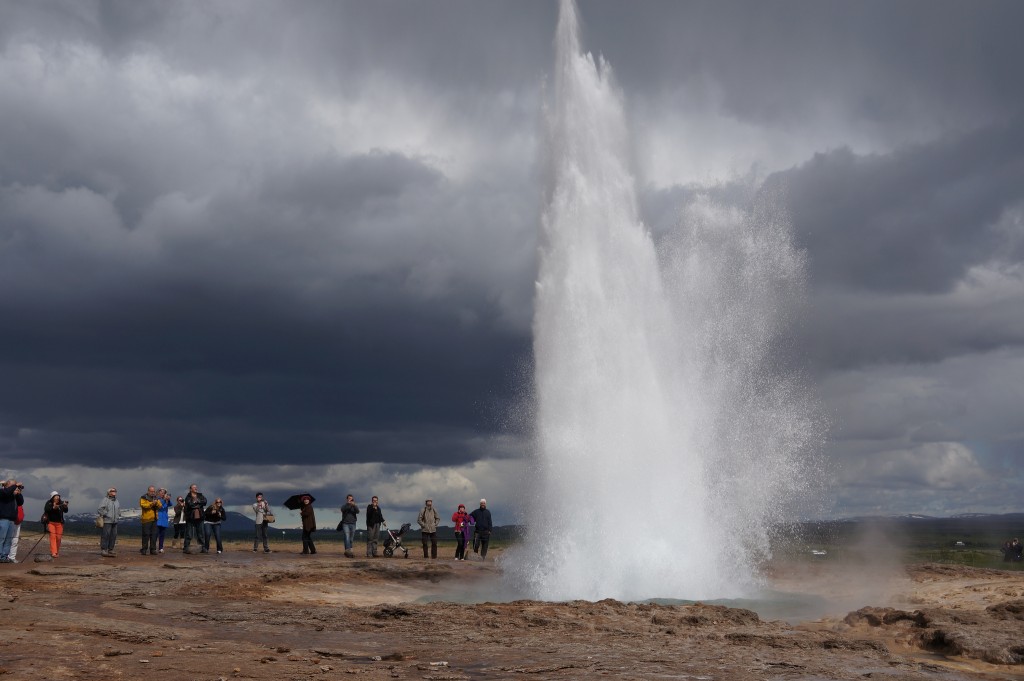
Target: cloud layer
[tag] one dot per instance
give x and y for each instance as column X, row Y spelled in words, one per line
column 296, row 246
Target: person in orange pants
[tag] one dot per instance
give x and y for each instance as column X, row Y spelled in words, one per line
column 54, row 511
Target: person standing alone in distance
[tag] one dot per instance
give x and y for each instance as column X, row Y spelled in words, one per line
column 428, row 521
column 349, row 516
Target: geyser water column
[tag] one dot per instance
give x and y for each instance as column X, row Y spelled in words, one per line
column 650, row 481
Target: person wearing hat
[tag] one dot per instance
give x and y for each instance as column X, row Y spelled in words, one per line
column 108, row 512
column 54, row 511
column 462, row 521
column 428, row 521
column 482, row 533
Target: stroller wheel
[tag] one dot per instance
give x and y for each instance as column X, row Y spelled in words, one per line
column 388, row 552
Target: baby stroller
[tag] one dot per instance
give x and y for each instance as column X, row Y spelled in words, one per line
column 393, row 540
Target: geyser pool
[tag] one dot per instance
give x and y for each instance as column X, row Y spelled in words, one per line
column 668, row 440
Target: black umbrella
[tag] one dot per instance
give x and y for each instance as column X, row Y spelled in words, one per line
column 294, row 502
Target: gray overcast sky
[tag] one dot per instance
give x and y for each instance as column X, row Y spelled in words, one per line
column 281, row 245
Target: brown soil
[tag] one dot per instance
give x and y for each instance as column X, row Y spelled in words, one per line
column 286, row 616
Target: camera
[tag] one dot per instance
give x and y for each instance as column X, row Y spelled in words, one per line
column 21, row 486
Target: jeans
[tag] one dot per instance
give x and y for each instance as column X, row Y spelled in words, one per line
column 160, row 531
column 193, row 529
column 14, row 543
column 214, row 529
column 460, row 545
column 6, row 537
column 108, row 536
column 261, row 533
column 348, row 533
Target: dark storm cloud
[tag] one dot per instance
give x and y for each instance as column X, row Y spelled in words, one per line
column 337, row 310
column 305, row 232
column 911, row 221
column 880, row 62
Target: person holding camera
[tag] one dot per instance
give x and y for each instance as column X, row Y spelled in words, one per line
column 179, row 522
column 54, row 511
column 108, row 512
column 163, row 517
column 214, row 516
column 10, row 499
column 150, row 503
column 262, row 509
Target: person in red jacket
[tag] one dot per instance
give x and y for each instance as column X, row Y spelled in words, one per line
column 462, row 522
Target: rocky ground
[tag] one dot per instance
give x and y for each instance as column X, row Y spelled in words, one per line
column 285, row 616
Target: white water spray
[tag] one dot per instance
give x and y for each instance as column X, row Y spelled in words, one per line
column 666, row 444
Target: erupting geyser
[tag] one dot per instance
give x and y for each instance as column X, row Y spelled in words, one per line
column 668, row 438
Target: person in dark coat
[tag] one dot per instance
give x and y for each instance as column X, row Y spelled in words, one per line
column 195, row 504
column 308, row 525
column 54, row 510
column 349, row 516
column 213, row 517
column 374, row 519
column 482, row 529
column 10, row 499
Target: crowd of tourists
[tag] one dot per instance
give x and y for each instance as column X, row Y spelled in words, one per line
column 193, row 521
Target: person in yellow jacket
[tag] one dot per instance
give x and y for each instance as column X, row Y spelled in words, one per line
column 150, row 503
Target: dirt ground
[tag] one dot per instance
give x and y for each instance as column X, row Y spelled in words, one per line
column 282, row 616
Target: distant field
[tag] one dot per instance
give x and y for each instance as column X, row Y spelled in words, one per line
column 974, row 541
